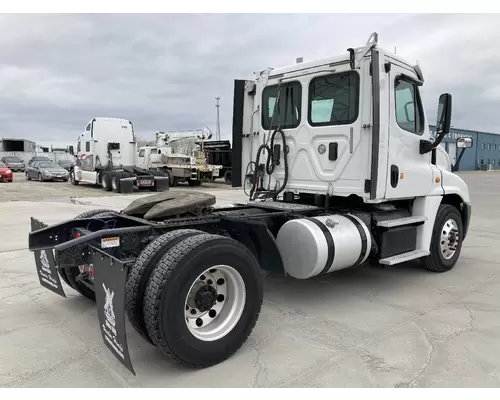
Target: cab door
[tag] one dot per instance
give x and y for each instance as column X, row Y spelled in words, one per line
column 142, row 158
column 321, row 114
column 409, row 173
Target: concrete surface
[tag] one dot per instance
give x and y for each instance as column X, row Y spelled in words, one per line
column 21, row 189
column 365, row 327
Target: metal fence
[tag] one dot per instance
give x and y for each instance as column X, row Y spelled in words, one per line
column 27, row 155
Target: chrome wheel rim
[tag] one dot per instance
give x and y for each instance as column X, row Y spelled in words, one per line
column 450, row 239
column 214, row 303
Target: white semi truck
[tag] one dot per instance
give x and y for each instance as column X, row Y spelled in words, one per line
column 106, row 155
column 345, row 174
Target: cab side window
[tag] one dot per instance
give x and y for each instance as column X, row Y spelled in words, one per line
column 87, row 146
column 141, row 153
column 333, row 99
column 79, row 147
column 286, row 113
column 409, row 113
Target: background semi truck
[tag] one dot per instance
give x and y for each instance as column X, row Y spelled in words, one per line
column 346, row 174
column 106, row 155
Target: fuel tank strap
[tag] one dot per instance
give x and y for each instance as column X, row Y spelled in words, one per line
column 362, row 234
column 329, row 243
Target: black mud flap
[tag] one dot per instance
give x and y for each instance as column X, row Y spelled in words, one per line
column 46, row 265
column 47, row 271
column 110, row 275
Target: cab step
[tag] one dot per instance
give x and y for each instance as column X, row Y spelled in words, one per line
column 392, row 223
column 401, row 258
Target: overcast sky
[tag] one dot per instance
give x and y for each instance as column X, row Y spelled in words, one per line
column 164, row 71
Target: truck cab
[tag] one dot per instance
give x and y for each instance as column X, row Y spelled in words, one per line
column 106, row 143
column 350, row 131
column 148, row 155
column 353, row 125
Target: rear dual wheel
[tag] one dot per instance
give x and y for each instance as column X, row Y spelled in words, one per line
column 115, row 182
column 201, row 300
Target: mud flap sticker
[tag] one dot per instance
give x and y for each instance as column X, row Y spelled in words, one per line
column 47, row 271
column 109, row 282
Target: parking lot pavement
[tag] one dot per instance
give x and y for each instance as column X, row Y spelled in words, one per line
column 363, row 327
column 21, row 189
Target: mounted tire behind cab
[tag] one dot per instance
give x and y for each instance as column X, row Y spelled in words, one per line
column 141, row 271
column 203, row 300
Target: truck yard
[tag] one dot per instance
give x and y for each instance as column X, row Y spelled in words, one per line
column 400, row 326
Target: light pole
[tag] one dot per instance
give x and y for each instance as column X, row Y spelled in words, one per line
column 217, row 106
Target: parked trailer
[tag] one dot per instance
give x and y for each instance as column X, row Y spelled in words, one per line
column 106, row 155
column 335, row 193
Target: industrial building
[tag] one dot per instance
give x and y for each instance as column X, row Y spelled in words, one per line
column 484, row 154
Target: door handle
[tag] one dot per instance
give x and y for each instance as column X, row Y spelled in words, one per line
column 394, row 175
column 333, row 151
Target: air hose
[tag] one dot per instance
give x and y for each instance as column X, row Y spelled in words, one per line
column 270, row 166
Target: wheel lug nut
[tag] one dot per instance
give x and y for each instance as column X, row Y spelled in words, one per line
column 212, row 313
column 199, row 322
column 220, row 298
column 220, row 281
column 202, row 277
column 210, row 281
column 193, row 311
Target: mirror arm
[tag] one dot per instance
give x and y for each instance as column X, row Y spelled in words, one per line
column 427, row 146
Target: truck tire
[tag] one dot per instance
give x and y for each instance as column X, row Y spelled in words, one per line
column 72, row 177
column 106, row 181
column 228, row 178
column 446, row 242
column 227, row 294
column 115, row 182
column 69, row 275
column 141, row 271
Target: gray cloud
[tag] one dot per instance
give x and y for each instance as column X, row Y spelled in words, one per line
column 163, row 71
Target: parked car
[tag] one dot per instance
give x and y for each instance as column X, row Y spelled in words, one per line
column 46, row 171
column 14, row 163
column 36, row 158
column 5, row 173
column 66, row 164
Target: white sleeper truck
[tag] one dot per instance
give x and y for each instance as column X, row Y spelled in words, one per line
column 106, row 155
column 344, row 174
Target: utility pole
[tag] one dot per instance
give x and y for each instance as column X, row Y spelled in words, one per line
column 217, row 105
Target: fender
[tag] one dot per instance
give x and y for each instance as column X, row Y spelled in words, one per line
column 456, row 193
column 258, row 238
